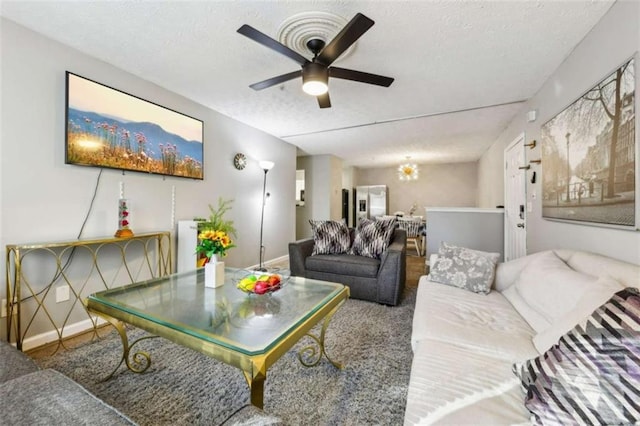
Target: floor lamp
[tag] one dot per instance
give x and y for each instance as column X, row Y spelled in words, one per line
column 266, row 166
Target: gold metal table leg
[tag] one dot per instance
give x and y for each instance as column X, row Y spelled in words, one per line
column 255, row 380
column 311, row 355
column 140, row 361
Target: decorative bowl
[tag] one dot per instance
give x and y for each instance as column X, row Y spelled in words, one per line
column 261, row 282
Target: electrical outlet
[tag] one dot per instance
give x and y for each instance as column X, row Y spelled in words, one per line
column 4, row 309
column 62, row 293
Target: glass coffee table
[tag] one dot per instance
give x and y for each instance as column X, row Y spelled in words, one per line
column 248, row 331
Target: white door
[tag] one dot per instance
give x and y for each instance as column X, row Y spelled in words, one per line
column 515, row 187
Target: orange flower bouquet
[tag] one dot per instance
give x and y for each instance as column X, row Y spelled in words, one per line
column 211, row 242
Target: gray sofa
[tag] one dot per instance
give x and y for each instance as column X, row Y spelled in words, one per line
column 377, row 280
column 31, row 396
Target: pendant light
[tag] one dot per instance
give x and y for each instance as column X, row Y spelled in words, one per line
column 408, row 171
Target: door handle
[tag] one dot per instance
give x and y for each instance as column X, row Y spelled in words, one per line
column 520, row 225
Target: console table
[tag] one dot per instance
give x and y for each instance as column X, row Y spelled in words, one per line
column 47, row 283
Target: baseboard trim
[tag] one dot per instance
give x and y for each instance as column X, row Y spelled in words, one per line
column 271, row 261
column 70, row 330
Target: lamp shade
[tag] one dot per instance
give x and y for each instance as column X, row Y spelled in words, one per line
column 266, row 165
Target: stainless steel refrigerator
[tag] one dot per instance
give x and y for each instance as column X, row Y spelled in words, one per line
column 371, row 201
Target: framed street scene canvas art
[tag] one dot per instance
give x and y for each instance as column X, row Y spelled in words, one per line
column 589, row 155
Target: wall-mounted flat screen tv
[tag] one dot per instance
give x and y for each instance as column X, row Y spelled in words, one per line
column 113, row 129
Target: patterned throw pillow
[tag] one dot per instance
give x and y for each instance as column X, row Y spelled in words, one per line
column 388, row 223
column 464, row 268
column 330, row 237
column 372, row 237
column 592, row 376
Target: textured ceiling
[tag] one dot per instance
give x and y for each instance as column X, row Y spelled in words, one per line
column 479, row 57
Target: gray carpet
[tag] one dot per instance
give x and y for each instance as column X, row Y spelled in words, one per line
column 184, row 387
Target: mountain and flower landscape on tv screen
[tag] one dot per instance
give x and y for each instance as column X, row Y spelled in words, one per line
column 112, row 129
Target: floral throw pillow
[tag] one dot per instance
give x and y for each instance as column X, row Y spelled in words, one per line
column 372, row 237
column 592, row 375
column 464, row 268
column 330, row 237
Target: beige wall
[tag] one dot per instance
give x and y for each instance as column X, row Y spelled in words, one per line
column 439, row 185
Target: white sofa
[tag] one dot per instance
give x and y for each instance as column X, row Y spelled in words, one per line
column 465, row 343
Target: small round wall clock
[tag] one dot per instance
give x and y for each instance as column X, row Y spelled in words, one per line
column 240, row 161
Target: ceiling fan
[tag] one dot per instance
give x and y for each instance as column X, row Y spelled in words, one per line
column 316, row 72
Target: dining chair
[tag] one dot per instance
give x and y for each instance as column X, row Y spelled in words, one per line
column 413, row 228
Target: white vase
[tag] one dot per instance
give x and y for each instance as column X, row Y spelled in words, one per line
column 213, row 273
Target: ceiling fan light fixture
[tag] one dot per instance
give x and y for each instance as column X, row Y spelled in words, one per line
column 315, row 72
column 315, row 88
column 315, row 78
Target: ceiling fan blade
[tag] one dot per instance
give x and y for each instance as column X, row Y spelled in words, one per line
column 267, row 41
column 362, row 77
column 324, row 101
column 276, row 80
column 345, row 38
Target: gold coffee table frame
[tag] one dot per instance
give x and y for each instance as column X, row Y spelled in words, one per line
column 253, row 363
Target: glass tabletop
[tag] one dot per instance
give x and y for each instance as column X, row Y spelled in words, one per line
column 248, row 323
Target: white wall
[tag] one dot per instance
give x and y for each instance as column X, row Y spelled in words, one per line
column 491, row 176
column 439, row 185
column 304, row 212
column 348, row 175
column 43, row 199
column 323, row 191
column 335, row 208
column 612, row 41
